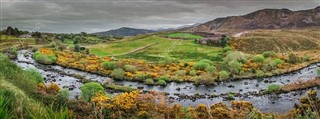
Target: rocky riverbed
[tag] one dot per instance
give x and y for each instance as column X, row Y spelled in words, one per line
column 186, row 94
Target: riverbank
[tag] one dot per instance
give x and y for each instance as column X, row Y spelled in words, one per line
column 188, row 94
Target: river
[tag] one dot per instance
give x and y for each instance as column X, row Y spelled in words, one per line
column 245, row 89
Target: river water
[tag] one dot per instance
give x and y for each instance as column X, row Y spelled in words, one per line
column 245, row 89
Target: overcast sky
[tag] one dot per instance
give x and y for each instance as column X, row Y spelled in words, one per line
column 101, row 15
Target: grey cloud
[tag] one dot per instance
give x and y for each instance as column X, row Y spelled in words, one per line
column 100, row 15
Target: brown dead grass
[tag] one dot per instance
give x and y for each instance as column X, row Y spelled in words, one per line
column 282, row 41
column 301, row 85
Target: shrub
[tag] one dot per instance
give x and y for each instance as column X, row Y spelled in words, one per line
column 44, row 59
column 305, row 58
column 193, row 73
column 53, row 88
column 130, row 68
column 236, row 55
column 200, row 66
column 277, row 61
column 258, row 58
column 162, row 82
column 13, row 53
column 90, row 89
column 204, row 79
column 235, row 66
column 206, row 61
column 118, row 73
column 141, row 77
column 259, row 73
column 318, row 71
column 149, row 82
column 230, row 96
column 180, row 73
column 269, row 54
column 64, row 93
column 165, row 78
column 211, row 69
column 273, row 88
column 293, row 59
column 223, row 75
column 308, row 114
column 109, row 65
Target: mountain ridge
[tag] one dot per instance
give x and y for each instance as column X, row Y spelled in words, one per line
column 124, row 31
column 263, row 19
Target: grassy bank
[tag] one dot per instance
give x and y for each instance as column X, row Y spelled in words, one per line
column 18, row 92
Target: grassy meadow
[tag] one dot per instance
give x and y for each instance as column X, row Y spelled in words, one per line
column 183, row 36
column 161, row 47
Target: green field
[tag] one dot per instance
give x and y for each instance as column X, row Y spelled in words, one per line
column 184, row 35
column 180, row 49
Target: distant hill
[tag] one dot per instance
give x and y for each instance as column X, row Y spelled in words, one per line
column 263, row 19
column 124, row 31
column 177, row 28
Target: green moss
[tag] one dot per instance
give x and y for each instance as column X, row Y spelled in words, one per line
column 272, row 88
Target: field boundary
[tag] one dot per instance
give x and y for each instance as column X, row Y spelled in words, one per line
column 137, row 49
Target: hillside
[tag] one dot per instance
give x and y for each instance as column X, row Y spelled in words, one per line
column 124, row 31
column 259, row 41
column 263, row 19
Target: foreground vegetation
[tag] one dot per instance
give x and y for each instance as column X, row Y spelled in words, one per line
column 19, row 97
column 234, row 65
column 24, row 95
